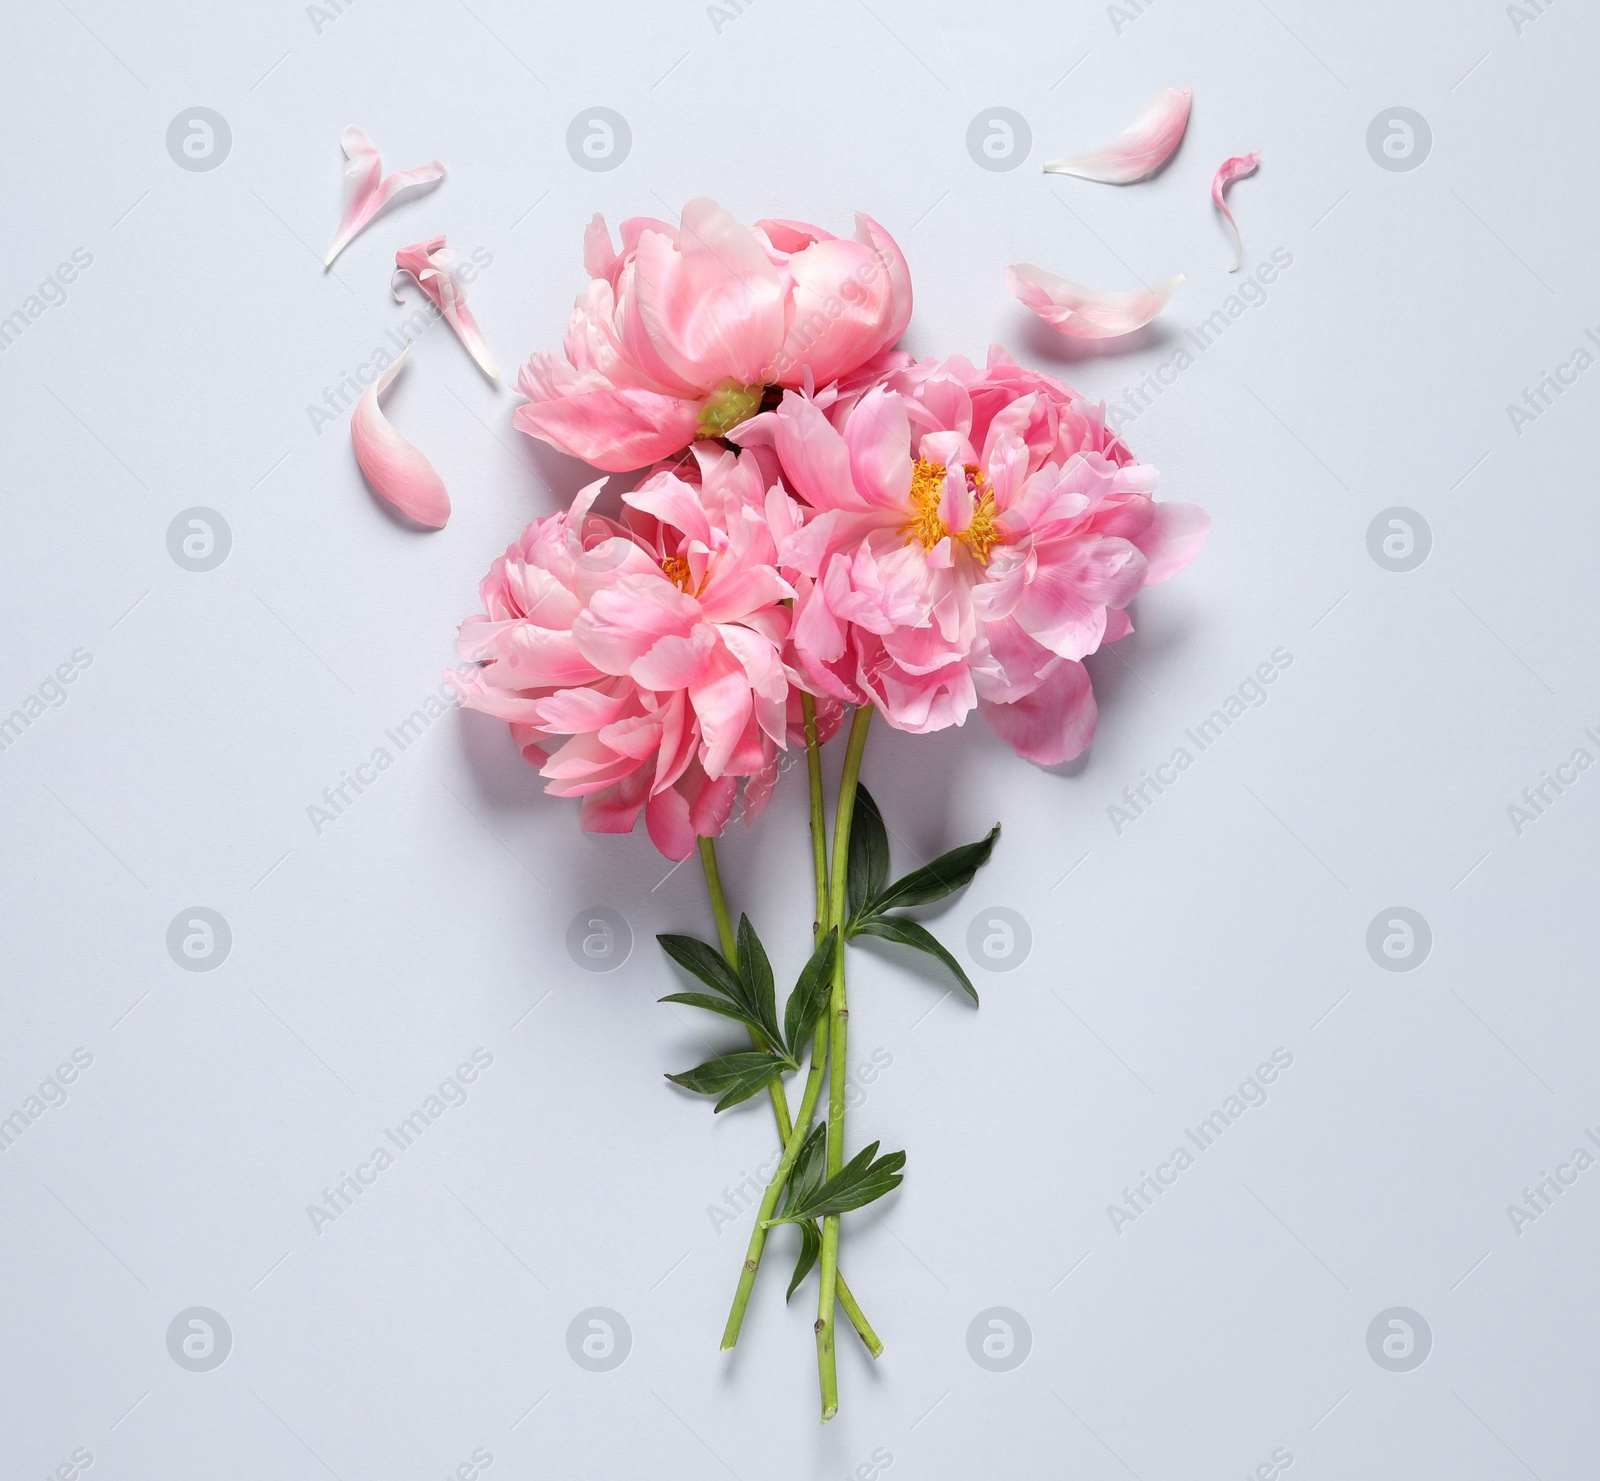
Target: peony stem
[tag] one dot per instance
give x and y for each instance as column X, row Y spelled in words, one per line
column 730, row 949
column 838, row 1019
column 791, row 1138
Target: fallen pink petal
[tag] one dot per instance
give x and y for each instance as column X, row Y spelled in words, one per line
column 1140, row 149
column 430, row 265
column 395, row 469
column 1233, row 169
column 1083, row 313
column 367, row 192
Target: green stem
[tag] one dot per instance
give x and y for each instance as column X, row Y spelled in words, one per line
column 839, row 1021
column 792, row 1135
column 730, row 949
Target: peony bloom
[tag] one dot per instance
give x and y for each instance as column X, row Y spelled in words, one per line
column 677, row 336
column 640, row 662
column 975, row 534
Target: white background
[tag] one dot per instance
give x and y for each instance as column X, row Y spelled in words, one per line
column 1230, row 1320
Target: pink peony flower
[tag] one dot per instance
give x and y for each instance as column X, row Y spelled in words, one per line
column 975, row 534
column 677, row 336
column 640, row 663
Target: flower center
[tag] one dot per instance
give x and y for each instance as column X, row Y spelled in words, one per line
column 727, row 406
column 676, row 569
column 927, row 526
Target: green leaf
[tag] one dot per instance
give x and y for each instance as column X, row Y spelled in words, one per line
column 810, row 1249
column 712, row 1004
column 810, row 996
column 808, row 1167
column 706, row 963
column 917, row 936
column 944, row 876
column 755, row 971
column 735, row 1077
column 859, row 1182
column 869, row 853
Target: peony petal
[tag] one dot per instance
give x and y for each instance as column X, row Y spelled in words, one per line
column 428, row 264
column 1052, row 724
column 1140, row 149
column 392, row 465
column 1233, row 169
column 711, row 302
column 1082, row 313
column 365, row 193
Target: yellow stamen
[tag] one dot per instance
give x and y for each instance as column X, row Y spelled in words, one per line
column 926, row 525
column 983, row 534
column 676, row 569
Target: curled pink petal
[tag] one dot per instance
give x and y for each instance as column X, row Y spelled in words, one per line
column 393, row 467
column 1140, row 149
column 1081, row 312
column 366, row 192
column 429, row 264
column 1233, row 169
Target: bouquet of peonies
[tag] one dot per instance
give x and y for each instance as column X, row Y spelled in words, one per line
column 827, row 531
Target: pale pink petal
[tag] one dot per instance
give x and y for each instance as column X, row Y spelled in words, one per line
column 1051, row 725
column 1082, row 313
column 1233, row 169
column 1173, row 539
column 666, row 816
column 580, row 413
column 1140, row 149
column 397, row 470
column 429, row 264
column 711, row 302
column 366, row 193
